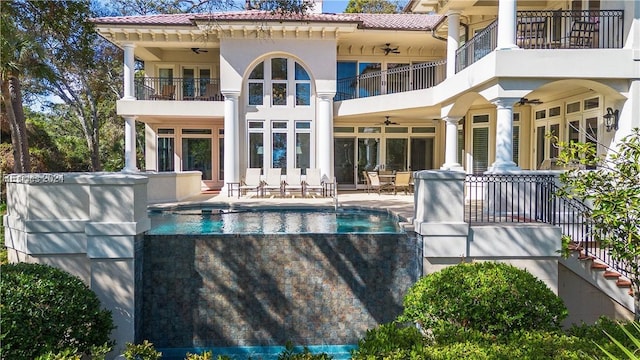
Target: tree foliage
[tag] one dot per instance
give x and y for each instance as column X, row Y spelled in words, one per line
column 373, row 6
column 613, row 192
column 49, row 47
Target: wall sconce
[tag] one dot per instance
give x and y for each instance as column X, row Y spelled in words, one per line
column 611, row 119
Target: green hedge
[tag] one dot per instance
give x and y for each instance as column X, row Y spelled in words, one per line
column 46, row 310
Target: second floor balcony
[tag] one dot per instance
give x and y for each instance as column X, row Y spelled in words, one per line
column 181, row 89
column 551, row 29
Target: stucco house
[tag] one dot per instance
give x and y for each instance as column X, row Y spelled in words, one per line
column 468, row 87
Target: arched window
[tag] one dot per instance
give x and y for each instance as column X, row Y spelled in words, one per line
column 279, row 82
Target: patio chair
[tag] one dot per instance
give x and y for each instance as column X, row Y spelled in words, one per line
column 210, row 93
column 531, row 33
column 367, row 180
column 376, row 184
column 402, row 181
column 273, row 180
column 168, row 92
column 313, row 182
column 292, row 182
column 251, row 181
column 582, row 34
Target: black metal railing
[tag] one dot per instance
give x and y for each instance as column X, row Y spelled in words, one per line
column 569, row 29
column 500, row 198
column 477, row 47
column 532, row 198
column 399, row 79
column 551, row 29
column 188, row 89
column 574, row 218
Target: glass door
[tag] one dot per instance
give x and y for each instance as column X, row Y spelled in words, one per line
column 368, row 156
column 196, row 155
column 396, row 154
column 421, row 154
column 344, row 150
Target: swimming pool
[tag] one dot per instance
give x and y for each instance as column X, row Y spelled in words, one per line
column 272, row 221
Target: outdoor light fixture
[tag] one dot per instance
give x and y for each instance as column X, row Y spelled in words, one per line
column 611, row 119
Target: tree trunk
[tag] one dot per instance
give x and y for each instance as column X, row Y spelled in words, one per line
column 12, row 95
column 636, row 299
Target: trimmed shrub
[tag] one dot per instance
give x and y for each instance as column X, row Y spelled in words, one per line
column 390, row 341
column 495, row 298
column 144, row 351
column 46, row 310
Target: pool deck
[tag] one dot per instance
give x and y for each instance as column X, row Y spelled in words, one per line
column 400, row 205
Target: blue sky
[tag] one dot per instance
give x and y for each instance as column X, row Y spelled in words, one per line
column 334, row 6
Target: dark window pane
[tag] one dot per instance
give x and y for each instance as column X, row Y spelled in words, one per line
column 255, row 94
column 301, row 73
column 303, row 94
column 279, row 69
column 258, row 72
column 279, row 94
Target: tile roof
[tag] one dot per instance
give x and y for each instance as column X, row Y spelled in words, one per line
column 365, row 21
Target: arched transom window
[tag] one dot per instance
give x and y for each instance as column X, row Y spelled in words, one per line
column 279, row 82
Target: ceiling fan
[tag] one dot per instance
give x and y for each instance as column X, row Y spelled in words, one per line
column 389, row 50
column 388, row 122
column 524, row 101
column 199, row 51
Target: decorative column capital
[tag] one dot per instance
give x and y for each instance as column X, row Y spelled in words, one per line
column 453, row 13
column 231, row 94
column 326, row 96
column 505, row 102
column 452, row 119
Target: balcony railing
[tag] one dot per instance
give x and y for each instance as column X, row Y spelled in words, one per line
column 551, row 29
column 399, row 79
column 478, row 47
column 187, row 89
column 532, row 198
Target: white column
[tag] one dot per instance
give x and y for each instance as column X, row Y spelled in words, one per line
column 453, row 41
column 324, row 147
column 451, row 144
column 129, row 72
column 231, row 139
column 504, row 136
column 507, row 24
column 130, row 144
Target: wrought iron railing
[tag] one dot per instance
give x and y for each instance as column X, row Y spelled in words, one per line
column 399, row 79
column 532, row 198
column 187, row 89
column 477, row 47
column 551, row 29
column 500, row 198
column 574, row 218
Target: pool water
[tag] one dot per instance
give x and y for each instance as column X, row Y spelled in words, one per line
column 272, row 221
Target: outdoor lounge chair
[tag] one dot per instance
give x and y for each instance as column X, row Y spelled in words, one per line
column 251, row 181
column 376, row 184
column 273, row 180
column 367, row 180
column 313, row 182
column 402, row 181
column 168, row 92
column 293, row 181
